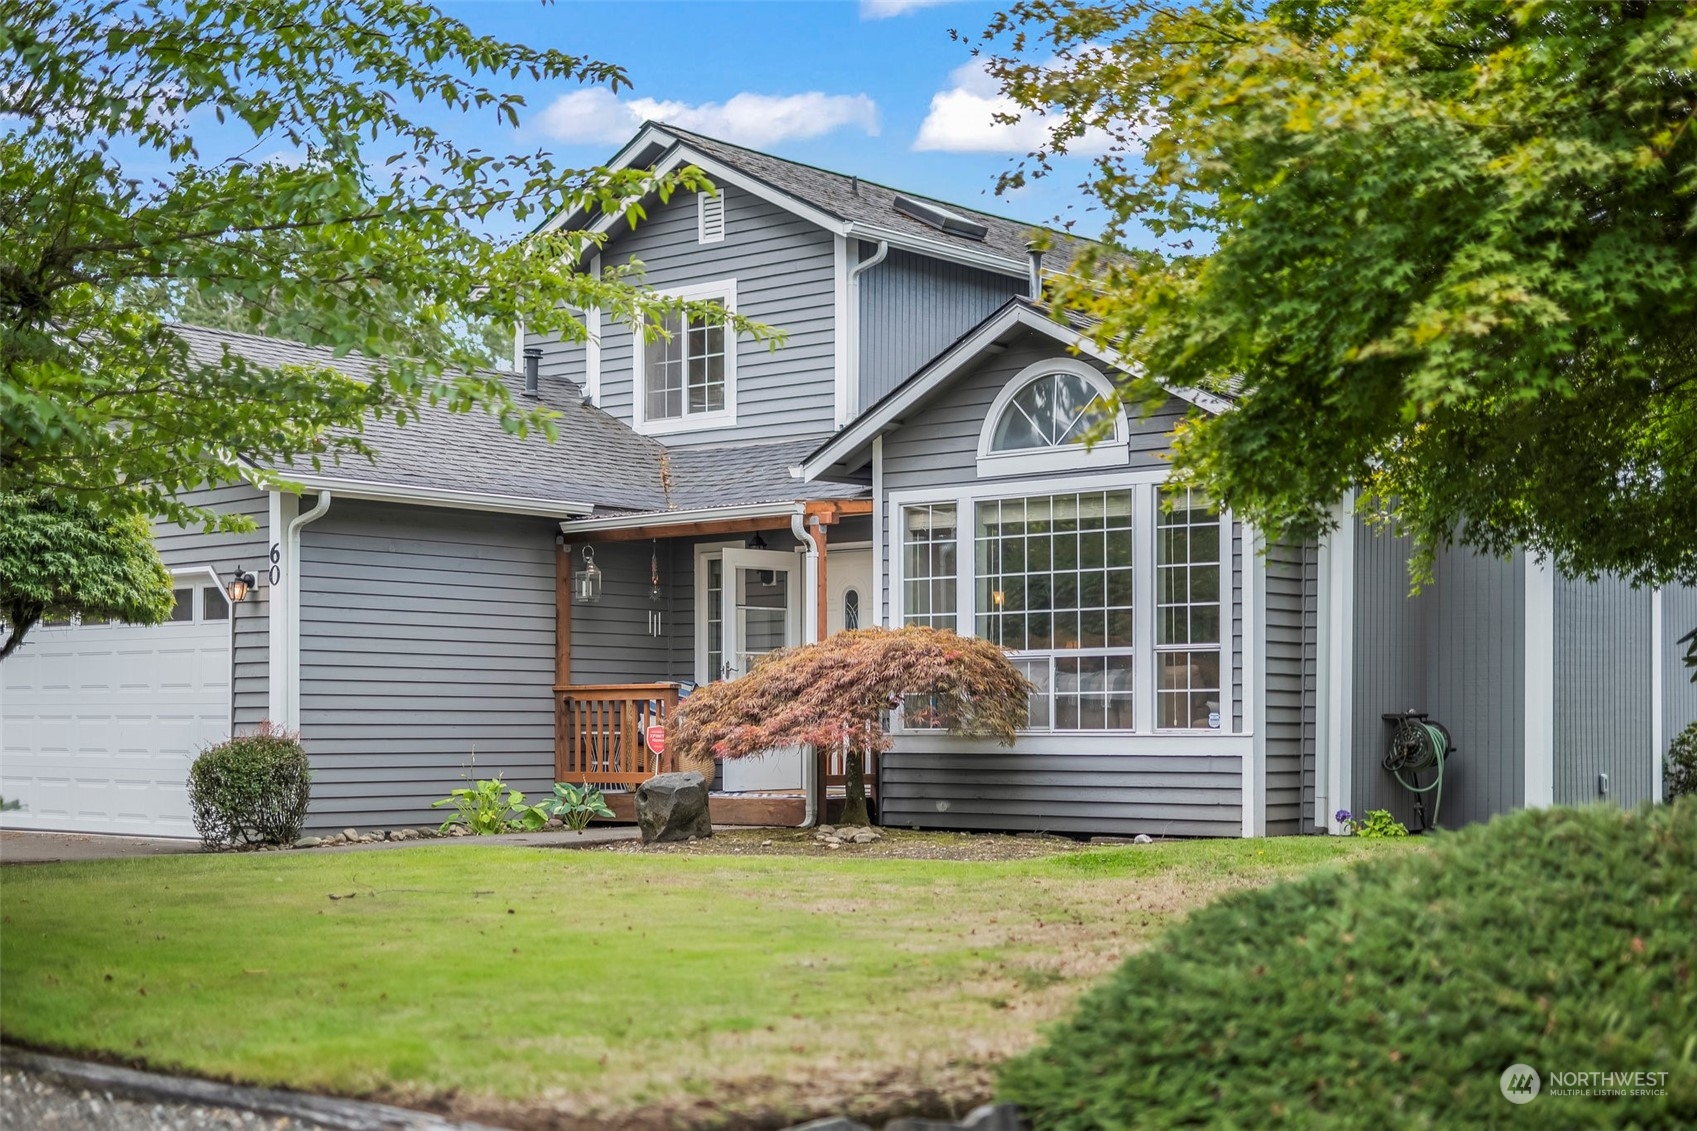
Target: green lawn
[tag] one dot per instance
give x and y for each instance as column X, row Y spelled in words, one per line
column 493, row 981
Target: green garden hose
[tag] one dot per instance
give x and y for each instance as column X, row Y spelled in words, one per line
column 1419, row 745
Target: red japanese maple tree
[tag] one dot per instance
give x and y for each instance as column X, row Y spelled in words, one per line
column 838, row 692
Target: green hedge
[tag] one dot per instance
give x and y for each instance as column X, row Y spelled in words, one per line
column 1396, row 992
column 251, row 790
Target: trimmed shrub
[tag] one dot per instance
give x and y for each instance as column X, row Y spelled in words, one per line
column 251, row 790
column 1396, row 992
column 1679, row 768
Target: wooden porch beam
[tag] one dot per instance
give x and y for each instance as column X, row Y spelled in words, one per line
column 828, row 511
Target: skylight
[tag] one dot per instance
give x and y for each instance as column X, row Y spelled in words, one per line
column 940, row 218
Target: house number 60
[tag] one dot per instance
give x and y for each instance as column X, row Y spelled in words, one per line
column 276, row 560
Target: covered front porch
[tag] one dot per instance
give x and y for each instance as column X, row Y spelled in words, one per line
column 650, row 606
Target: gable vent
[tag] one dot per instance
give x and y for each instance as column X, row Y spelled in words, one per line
column 710, row 216
column 940, row 218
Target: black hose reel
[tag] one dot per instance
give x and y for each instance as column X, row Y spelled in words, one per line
column 1418, row 745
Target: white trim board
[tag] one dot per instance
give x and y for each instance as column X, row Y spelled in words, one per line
column 679, row 153
column 1658, row 693
column 369, row 491
column 725, row 290
column 1540, row 684
column 1017, row 313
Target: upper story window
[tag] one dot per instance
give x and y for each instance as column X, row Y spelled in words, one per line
column 686, row 375
column 1045, row 419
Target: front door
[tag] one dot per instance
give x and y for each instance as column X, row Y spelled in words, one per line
column 761, row 598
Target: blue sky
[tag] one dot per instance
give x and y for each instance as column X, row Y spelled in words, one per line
column 871, row 87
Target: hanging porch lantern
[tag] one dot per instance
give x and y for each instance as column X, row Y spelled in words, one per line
column 586, row 582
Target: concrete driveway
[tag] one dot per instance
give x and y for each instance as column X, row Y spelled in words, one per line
column 20, row 847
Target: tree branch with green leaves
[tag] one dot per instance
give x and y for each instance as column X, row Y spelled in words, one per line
column 343, row 219
column 1440, row 252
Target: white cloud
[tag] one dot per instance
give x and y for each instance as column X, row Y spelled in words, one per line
column 599, row 116
column 884, row 9
column 962, row 119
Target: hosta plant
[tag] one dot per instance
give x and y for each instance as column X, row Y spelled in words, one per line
column 575, row 805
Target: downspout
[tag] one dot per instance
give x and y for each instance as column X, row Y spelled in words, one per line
column 291, row 551
column 854, row 275
column 811, row 785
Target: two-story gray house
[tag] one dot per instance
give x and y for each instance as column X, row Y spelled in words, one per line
column 911, row 455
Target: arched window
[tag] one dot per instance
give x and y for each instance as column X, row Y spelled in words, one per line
column 1044, row 416
column 1055, row 410
column 851, row 610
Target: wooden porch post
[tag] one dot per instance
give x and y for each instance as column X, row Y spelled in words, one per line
column 562, row 614
column 824, row 608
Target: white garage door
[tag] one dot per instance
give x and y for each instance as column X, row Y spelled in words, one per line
column 99, row 723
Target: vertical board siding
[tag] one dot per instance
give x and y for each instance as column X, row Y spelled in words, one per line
column 1679, row 693
column 1389, row 642
column 426, row 637
column 912, row 308
column 1286, row 685
column 785, row 271
column 182, row 547
column 1602, row 692
column 970, row 787
column 1456, row 652
column 1475, row 681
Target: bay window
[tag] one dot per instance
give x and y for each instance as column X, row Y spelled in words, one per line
column 1111, row 599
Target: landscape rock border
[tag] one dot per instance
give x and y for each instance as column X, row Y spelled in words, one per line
column 324, row 1111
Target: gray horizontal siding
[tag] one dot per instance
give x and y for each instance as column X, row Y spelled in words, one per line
column 785, row 271
column 426, row 637
column 1101, row 793
column 182, row 547
column 938, row 445
column 1287, row 684
column 1602, row 692
column 912, row 308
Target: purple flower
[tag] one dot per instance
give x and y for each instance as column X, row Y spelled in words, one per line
column 1342, row 816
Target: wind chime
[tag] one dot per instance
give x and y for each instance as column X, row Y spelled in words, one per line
column 655, row 593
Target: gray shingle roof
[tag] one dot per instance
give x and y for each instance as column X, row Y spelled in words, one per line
column 597, row 458
column 739, row 474
column 850, row 198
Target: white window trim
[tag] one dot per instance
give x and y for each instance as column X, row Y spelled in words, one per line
column 701, row 200
column 1071, row 457
column 1144, row 486
column 704, row 553
column 726, row 291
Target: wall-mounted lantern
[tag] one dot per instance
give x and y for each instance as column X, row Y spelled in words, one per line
column 586, row 582
column 241, row 583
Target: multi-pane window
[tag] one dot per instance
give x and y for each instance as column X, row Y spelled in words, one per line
column 1187, row 612
column 929, row 559
column 715, row 618
column 684, row 369
column 1054, row 586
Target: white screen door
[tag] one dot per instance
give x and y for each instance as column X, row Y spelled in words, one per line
column 762, row 612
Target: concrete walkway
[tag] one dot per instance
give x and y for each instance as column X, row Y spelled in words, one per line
column 18, row 846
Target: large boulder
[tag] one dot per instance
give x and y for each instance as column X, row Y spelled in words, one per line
column 673, row 807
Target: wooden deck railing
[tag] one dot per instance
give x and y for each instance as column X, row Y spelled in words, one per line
column 836, row 769
column 600, row 729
